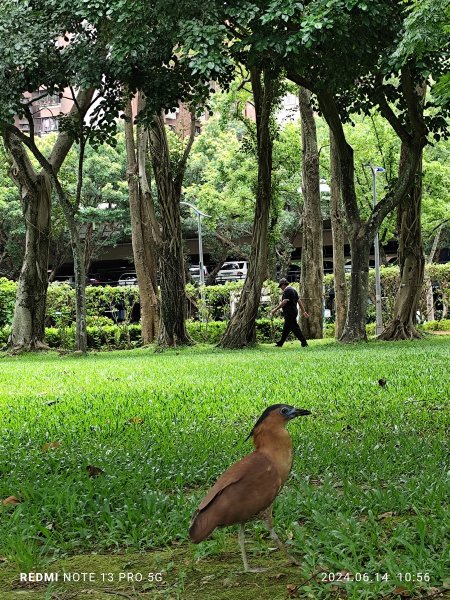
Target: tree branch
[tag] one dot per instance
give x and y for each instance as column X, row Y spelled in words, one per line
column 181, row 167
column 64, row 141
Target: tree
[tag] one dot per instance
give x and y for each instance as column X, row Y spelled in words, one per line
column 35, row 190
column 338, row 233
column 241, row 327
column 410, row 253
column 312, row 240
column 143, row 235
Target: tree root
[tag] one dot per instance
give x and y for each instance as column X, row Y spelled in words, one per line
column 397, row 331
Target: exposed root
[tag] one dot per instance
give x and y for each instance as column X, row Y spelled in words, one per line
column 398, row 330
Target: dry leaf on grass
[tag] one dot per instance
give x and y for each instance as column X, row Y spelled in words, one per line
column 11, row 501
column 50, row 445
column 292, row 590
column 135, row 420
column 385, row 515
column 402, row 592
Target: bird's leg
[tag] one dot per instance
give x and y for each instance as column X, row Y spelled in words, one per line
column 273, row 534
column 247, row 569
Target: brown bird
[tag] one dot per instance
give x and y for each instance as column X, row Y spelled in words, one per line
column 249, row 487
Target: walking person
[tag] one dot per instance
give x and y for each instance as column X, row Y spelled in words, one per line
column 288, row 304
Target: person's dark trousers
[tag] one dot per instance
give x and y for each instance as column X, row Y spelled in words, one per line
column 290, row 324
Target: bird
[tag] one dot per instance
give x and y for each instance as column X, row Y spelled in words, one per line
column 249, row 487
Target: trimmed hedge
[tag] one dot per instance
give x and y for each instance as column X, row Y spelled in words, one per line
column 120, row 303
column 123, row 337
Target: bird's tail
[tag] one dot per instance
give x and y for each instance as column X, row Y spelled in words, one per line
column 201, row 526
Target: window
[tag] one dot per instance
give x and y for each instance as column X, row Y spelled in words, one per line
column 45, row 100
column 46, row 125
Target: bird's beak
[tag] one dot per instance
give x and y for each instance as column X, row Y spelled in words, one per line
column 298, row 412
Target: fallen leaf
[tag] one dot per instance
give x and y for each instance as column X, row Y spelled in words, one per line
column 292, row 590
column 385, row 515
column 94, row 471
column 136, row 420
column 401, row 591
column 49, row 445
column 11, row 500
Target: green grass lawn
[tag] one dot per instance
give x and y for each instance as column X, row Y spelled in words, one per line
column 367, row 492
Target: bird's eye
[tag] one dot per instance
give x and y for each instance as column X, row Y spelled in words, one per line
column 284, row 411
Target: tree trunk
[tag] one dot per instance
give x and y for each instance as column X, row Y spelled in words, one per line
column 80, row 286
column 411, row 262
column 35, row 190
column 241, row 330
column 29, row 314
column 338, row 233
column 173, row 294
column 144, row 249
column 355, row 325
column 428, row 282
column 312, row 241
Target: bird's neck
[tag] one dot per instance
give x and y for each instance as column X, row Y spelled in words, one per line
column 277, row 446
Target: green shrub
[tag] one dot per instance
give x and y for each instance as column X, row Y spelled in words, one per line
column 8, row 290
column 4, row 335
column 442, row 325
column 105, row 302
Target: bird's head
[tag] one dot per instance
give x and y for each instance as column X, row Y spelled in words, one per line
column 278, row 415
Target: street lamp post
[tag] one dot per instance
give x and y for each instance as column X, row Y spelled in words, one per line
column 379, row 316
column 200, row 241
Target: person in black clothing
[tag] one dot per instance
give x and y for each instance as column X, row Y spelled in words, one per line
column 288, row 304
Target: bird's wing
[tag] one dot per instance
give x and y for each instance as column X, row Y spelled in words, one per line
column 251, row 463
column 246, row 489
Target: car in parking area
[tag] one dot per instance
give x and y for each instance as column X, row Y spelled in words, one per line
column 128, row 279
column 234, row 270
column 195, row 273
column 70, row 280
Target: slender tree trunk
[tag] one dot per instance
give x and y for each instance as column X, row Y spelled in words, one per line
column 80, row 286
column 173, row 294
column 312, row 242
column 241, row 330
column 411, row 262
column 144, row 250
column 338, row 233
column 428, row 282
column 355, row 325
column 35, row 189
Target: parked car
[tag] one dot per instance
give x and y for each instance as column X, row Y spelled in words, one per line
column 127, row 279
column 70, row 280
column 195, row 273
column 232, row 271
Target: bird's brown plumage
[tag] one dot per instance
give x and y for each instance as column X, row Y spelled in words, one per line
column 251, row 485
